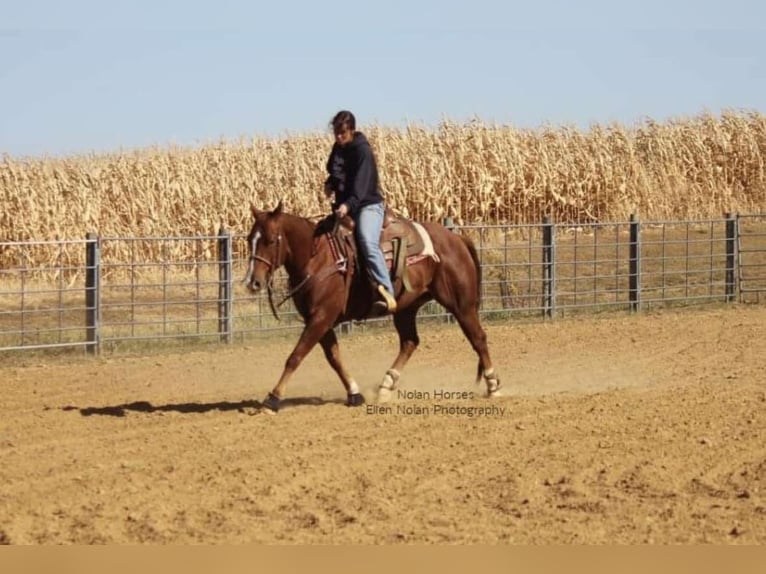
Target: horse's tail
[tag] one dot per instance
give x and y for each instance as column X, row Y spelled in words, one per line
column 475, row 257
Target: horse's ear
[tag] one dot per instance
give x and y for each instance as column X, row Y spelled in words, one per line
column 253, row 210
column 278, row 208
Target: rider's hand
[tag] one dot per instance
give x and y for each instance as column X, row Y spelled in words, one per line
column 342, row 210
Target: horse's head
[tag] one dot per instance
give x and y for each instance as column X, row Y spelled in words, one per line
column 267, row 249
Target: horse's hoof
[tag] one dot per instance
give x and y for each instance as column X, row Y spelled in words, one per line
column 355, row 400
column 494, row 391
column 390, row 382
column 385, row 395
column 271, row 404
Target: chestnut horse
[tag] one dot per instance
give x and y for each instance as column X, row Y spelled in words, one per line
column 326, row 294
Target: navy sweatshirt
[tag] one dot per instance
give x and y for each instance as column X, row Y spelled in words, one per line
column 354, row 175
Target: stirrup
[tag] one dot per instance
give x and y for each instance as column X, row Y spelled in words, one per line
column 388, row 304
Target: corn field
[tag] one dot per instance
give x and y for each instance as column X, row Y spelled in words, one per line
column 684, row 168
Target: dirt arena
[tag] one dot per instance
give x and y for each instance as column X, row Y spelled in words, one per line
column 613, row 429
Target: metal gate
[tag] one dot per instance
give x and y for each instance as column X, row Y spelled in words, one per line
column 751, row 260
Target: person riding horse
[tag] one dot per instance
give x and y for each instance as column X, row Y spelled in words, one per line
column 322, row 286
column 353, row 179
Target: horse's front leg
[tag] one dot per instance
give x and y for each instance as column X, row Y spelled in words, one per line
column 331, row 350
column 314, row 330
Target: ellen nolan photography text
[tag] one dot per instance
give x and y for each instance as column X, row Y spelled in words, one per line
column 454, row 405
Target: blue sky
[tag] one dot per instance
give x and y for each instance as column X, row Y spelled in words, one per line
column 81, row 76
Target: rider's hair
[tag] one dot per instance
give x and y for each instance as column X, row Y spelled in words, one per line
column 343, row 120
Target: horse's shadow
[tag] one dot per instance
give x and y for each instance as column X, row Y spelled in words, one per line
column 247, row 407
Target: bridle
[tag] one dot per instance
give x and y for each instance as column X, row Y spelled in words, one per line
column 270, row 267
column 274, row 263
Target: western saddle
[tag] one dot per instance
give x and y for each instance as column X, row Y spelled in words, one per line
column 399, row 240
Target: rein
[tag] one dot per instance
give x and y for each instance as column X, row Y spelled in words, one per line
column 323, row 274
column 292, row 292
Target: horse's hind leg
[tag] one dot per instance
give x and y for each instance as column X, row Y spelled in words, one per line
column 408, row 341
column 468, row 319
column 331, row 350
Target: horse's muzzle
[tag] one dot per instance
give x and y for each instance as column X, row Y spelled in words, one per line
column 254, row 286
column 252, row 283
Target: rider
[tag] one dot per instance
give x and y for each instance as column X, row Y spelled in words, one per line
column 354, row 181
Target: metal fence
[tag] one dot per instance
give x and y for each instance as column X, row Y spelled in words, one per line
column 751, row 257
column 43, row 299
column 110, row 292
column 554, row 269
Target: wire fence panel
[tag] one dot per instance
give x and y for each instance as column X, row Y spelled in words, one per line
column 751, row 250
column 512, row 267
column 592, row 266
column 603, row 265
column 42, row 294
column 148, row 290
column 110, row 292
column 683, row 261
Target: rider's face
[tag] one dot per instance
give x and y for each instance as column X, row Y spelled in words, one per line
column 343, row 136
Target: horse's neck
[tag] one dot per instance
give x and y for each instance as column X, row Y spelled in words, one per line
column 298, row 234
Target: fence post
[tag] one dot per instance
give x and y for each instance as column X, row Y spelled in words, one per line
column 549, row 267
column 225, row 286
column 634, row 287
column 731, row 255
column 92, row 293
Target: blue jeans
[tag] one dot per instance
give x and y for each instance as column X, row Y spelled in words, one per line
column 369, row 223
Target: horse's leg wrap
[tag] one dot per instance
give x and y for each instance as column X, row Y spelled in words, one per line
column 493, row 383
column 389, row 384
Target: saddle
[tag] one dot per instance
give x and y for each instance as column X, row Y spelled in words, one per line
column 400, row 240
column 400, row 230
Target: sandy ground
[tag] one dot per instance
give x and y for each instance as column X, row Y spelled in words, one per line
column 618, row 428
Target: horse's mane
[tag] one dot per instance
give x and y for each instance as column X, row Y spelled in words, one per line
column 314, row 219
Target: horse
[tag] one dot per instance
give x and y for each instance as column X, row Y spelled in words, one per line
column 329, row 286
